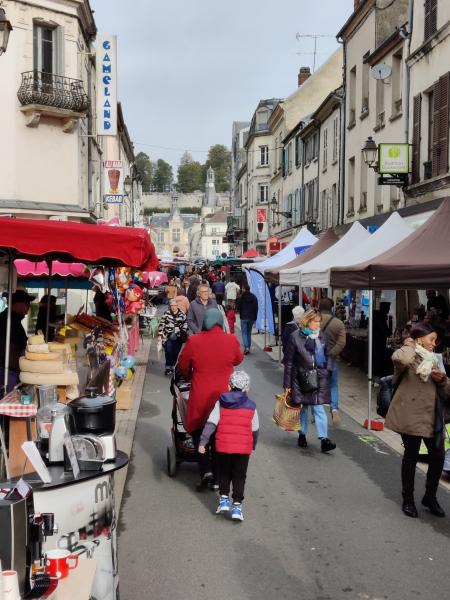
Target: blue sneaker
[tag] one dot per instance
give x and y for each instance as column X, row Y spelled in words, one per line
column 224, row 505
column 236, row 512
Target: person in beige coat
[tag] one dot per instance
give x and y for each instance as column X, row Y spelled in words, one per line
column 416, row 413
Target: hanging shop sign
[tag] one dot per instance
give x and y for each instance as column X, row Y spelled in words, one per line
column 262, row 224
column 393, row 159
column 107, row 85
column 273, row 246
column 113, row 191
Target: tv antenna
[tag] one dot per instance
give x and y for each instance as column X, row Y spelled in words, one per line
column 314, row 36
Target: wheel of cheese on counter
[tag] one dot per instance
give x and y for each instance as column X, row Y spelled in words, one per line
column 66, row 378
column 36, row 339
column 37, row 356
column 41, row 366
column 38, row 348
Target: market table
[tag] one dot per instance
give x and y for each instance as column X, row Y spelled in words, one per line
column 20, row 430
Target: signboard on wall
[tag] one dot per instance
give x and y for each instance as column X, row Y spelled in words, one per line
column 106, row 85
column 394, row 159
column 113, row 191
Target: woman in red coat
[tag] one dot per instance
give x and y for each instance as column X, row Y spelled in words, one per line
column 208, row 359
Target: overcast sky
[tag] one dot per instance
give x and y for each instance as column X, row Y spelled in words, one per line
column 189, row 68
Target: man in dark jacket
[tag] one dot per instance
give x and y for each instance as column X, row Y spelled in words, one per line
column 247, row 305
column 198, row 308
column 218, row 288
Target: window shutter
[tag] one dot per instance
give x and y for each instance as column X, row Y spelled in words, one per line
column 435, row 151
column 417, row 112
column 430, row 18
column 444, row 83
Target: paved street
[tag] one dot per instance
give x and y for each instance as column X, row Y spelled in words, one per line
column 317, row 527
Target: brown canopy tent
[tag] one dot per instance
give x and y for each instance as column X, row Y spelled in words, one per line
column 323, row 243
column 421, row 261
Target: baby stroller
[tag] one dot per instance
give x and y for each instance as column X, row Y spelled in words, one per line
column 182, row 448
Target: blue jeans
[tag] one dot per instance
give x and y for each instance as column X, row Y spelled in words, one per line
column 172, row 350
column 334, row 387
column 246, row 330
column 320, row 416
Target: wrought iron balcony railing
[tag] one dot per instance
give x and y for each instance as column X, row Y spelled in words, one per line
column 52, row 90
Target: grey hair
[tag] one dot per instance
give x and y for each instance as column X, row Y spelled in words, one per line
column 297, row 313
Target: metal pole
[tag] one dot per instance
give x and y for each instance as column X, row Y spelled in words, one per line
column 8, row 323
column 87, row 299
column 49, row 289
column 66, row 302
column 280, row 287
column 265, row 314
column 369, row 366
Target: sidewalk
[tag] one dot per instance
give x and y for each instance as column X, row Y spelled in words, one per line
column 353, row 401
column 126, row 419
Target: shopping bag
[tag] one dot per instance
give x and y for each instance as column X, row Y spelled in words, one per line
column 286, row 417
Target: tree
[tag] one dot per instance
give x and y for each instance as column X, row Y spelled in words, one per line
column 163, row 176
column 145, row 170
column 219, row 158
column 190, row 175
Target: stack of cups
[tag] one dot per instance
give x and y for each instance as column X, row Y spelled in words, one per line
column 10, row 583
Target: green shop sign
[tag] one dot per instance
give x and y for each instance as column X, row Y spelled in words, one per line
column 393, row 159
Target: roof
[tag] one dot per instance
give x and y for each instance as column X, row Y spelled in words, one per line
column 356, row 17
column 162, row 220
column 218, row 217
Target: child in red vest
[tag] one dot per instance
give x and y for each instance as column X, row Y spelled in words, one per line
column 234, row 419
column 231, row 317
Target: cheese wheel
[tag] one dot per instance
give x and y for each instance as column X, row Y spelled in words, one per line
column 37, row 356
column 36, row 339
column 55, row 346
column 66, row 378
column 41, row 366
column 38, row 348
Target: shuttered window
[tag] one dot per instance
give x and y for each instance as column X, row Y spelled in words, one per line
column 417, row 111
column 430, row 18
column 439, row 153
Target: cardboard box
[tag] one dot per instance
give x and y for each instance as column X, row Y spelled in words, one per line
column 124, row 396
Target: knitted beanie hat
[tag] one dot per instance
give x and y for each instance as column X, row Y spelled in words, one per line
column 239, row 380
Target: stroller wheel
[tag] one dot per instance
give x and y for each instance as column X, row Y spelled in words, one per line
column 171, row 461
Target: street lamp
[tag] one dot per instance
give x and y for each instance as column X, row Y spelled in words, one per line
column 127, row 183
column 5, row 28
column 273, row 206
column 370, row 153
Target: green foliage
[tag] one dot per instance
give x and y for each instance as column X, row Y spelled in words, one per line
column 219, row 158
column 187, row 210
column 190, row 176
column 163, row 176
column 149, row 210
column 190, row 210
column 145, row 169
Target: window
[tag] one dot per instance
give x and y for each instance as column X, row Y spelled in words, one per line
column 316, row 145
column 264, row 156
column 296, row 208
column 302, row 205
column 215, row 242
column 333, row 213
column 430, row 18
column 47, row 49
column 176, row 234
column 363, row 186
column 323, row 210
column 440, row 126
column 417, row 112
column 352, row 97
column 351, row 187
column 335, row 138
column 160, row 236
column 261, row 120
column 287, row 208
column 215, row 252
column 397, row 62
column 298, row 151
column 325, row 149
column 263, row 193
column 365, row 87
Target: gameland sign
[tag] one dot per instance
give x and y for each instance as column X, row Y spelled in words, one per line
column 107, row 85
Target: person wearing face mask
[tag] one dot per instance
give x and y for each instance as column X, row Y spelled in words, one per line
column 416, row 412
column 307, row 352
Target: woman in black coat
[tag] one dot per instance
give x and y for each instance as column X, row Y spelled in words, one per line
column 307, row 351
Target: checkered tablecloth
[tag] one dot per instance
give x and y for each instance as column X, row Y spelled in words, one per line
column 11, row 407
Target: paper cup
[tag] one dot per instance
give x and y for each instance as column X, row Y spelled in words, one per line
column 10, row 585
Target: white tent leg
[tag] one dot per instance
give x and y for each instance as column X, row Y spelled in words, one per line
column 265, row 314
column 370, row 359
column 8, row 323
column 280, row 288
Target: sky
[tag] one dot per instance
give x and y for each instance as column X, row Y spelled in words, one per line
column 189, row 68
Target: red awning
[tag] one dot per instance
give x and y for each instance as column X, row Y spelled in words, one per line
column 27, row 268
column 251, row 253
column 68, row 242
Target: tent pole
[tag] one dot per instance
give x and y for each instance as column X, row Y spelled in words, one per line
column 279, row 321
column 49, row 289
column 8, row 323
column 66, row 302
column 265, row 315
column 87, row 299
column 370, row 359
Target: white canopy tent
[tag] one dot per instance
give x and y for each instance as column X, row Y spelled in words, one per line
column 354, row 237
column 303, row 240
column 393, row 231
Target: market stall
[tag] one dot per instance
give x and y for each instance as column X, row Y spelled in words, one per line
column 74, row 453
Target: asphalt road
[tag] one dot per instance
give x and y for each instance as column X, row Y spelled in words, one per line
column 317, row 527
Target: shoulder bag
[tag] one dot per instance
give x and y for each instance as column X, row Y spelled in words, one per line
column 386, row 392
column 308, row 380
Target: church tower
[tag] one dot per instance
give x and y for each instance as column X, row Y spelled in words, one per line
column 210, row 189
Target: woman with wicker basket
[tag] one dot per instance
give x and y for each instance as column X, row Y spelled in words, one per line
column 307, row 374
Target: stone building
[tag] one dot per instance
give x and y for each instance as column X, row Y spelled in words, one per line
column 170, row 231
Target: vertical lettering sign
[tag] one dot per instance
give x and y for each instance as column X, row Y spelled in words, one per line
column 106, row 85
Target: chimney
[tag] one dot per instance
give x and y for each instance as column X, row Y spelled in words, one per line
column 303, row 75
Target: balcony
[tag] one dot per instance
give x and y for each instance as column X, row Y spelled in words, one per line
column 54, row 96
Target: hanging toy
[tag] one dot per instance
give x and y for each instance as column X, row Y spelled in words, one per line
column 123, row 279
column 99, row 279
column 133, row 300
column 137, row 276
column 128, row 362
column 121, row 372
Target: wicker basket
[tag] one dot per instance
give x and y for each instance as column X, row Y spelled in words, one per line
column 286, row 417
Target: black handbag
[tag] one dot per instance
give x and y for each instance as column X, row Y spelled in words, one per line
column 386, row 392
column 308, row 380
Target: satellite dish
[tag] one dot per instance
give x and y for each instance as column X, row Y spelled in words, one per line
column 381, row 71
